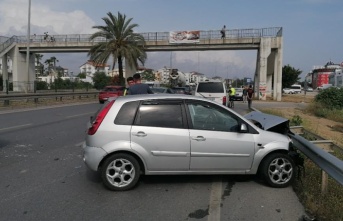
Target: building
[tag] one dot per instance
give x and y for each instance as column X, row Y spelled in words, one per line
column 90, row 68
column 328, row 74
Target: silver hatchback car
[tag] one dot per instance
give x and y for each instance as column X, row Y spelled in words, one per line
column 175, row 134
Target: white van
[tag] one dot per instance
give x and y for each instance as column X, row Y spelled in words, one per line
column 296, row 88
column 212, row 90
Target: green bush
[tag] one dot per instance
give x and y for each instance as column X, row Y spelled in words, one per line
column 296, row 121
column 331, row 98
column 41, row 85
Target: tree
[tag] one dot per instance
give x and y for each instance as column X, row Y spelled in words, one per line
column 121, row 43
column 39, row 65
column 148, row 75
column 290, row 75
column 100, row 80
column 48, row 62
column 54, row 60
column 82, row 75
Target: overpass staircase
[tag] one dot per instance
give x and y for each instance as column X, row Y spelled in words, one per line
column 8, row 45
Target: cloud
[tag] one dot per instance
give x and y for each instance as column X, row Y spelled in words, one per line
column 14, row 19
column 227, row 64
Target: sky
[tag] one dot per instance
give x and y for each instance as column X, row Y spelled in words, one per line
column 312, row 29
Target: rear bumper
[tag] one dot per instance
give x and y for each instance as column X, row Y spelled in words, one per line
column 92, row 156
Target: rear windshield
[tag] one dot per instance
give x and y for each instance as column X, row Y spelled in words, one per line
column 211, row 87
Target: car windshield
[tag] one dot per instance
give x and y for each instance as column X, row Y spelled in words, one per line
column 211, row 87
column 239, row 90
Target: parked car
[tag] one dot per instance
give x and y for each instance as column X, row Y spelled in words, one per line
column 162, row 90
column 296, row 88
column 288, row 91
column 309, row 89
column 110, row 91
column 212, row 90
column 162, row 134
column 324, row 86
column 239, row 94
column 182, row 90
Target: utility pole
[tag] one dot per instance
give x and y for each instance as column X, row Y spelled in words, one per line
column 28, row 88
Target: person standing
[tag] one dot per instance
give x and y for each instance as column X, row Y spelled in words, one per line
column 223, row 32
column 138, row 87
column 250, row 95
column 245, row 93
column 232, row 93
column 130, row 82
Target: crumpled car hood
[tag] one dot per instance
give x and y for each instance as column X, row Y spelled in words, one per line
column 269, row 122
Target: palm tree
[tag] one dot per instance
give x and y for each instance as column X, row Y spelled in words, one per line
column 121, row 43
column 39, row 65
column 48, row 62
column 54, row 60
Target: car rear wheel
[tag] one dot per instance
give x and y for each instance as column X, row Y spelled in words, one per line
column 120, row 172
column 278, row 170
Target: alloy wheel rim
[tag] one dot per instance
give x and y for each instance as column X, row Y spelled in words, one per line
column 280, row 171
column 120, row 173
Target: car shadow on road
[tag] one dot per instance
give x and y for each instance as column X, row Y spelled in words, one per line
column 162, row 179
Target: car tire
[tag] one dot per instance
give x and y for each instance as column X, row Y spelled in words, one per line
column 120, row 172
column 101, row 102
column 278, row 170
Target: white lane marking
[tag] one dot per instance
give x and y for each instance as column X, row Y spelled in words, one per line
column 215, row 200
column 14, row 127
column 79, row 115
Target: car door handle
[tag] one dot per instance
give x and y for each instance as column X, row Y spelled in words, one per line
column 139, row 134
column 199, row 138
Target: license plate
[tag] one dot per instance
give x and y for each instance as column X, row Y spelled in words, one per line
column 211, row 98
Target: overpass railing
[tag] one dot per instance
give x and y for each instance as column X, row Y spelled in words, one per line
column 148, row 36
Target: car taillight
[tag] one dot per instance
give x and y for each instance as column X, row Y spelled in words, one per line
column 224, row 100
column 99, row 118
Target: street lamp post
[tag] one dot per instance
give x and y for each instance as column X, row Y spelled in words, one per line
column 28, row 46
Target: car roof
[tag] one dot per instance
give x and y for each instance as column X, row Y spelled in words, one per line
column 160, row 96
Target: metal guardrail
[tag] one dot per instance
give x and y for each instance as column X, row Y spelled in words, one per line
column 149, row 36
column 36, row 96
column 326, row 161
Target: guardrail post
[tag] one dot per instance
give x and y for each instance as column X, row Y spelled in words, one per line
column 325, row 181
column 326, row 146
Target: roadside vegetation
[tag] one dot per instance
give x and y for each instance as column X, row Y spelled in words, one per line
column 323, row 116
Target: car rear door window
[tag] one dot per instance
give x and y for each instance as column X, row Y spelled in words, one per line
column 161, row 114
column 127, row 113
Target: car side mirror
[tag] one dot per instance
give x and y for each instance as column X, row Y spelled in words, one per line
column 243, row 128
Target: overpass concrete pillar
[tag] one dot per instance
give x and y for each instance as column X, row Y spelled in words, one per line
column 264, row 52
column 277, row 92
column 23, row 79
column 4, row 69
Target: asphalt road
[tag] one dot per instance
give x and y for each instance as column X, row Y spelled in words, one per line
column 43, row 177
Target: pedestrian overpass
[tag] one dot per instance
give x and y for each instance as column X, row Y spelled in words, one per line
column 267, row 41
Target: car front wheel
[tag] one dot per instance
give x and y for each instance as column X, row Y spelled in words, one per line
column 120, row 172
column 278, row 170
